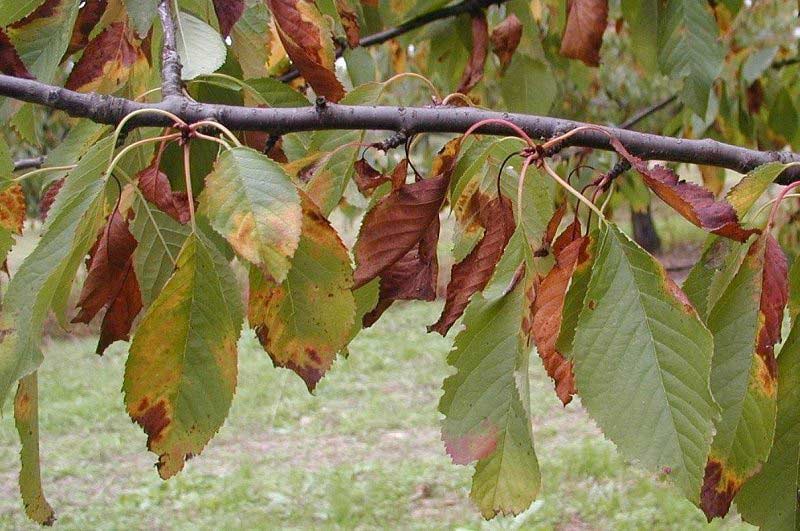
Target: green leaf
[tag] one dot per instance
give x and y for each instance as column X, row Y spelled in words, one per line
column 769, row 499
column 485, row 405
column 642, row 19
column 141, row 14
column 276, row 94
column 200, row 47
column 528, row 86
column 6, row 163
column 83, row 135
column 250, row 39
column 13, row 10
column 689, row 50
column 251, row 201
column 181, row 372
column 642, row 363
column 26, row 419
column 783, row 116
column 46, row 275
column 160, row 239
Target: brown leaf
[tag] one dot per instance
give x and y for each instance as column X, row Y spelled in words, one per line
column 10, row 62
column 473, row 72
column 583, row 33
column 155, row 187
column 88, row 17
column 106, row 61
column 755, row 97
column 692, row 201
column 367, row 178
column 228, row 13
column 45, row 10
column 349, row 20
column 473, row 273
column 49, row 197
column 774, row 296
column 505, row 39
column 111, row 282
column 307, row 42
column 12, row 208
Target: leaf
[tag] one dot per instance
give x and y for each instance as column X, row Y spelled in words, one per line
column 252, row 39
column 769, row 499
column 528, row 86
column 642, row 19
column 251, row 202
column 180, row 376
column 26, row 419
column 48, row 198
column 473, row 71
column 46, row 275
column 642, row 363
column 111, row 282
column 228, row 13
column 200, row 47
column 484, row 404
column 106, row 62
column 583, row 33
column 689, row 49
column 473, row 273
column 505, row 38
column 746, row 324
column 160, row 239
column 156, row 188
column 141, row 14
column 10, row 63
column 13, row 10
column 303, row 322
column 368, row 178
column 575, row 296
column 692, row 201
column 90, row 14
column 306, row 38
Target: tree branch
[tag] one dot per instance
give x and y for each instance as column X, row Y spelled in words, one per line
column 466, row 6
column 433, row 119
column 170, row 60
column 28, row 164
column 644, row 113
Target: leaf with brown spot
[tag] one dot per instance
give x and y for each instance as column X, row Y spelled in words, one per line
column 12, row 209
column 90, row 14
column 368, row 178
column 305, row 320
column 107, row 61
column 473, row 273
column 746, row 323
column 692, row 201
column 49, row 197
column 181, row 372
column 473, row 71
column 307, row 40
column 228, row 14
column 583, row 33
column 505, row 39
column 10, row 62
column 349, row 20
column 111, row 283
column 155, row 187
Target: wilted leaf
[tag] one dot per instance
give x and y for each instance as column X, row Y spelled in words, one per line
column 228, row 13
column 155, row 187
column 10, row 63
column 90, row 14
column 583, row 33
column 368, row 178
column 251, row 201
column 26, row 419
column 692, row 201
column 505, row 39
column 307, row 39
column 642, row 363
column 107, row 61
column 181, row 372
column 473, row 71
column 200, row 47
column 49, row 197
column 12, row 209
column 473, row 273
column 349, row 19
column 746, row 323
column 303, row 322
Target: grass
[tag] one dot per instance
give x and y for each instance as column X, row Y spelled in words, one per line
column 363, row 453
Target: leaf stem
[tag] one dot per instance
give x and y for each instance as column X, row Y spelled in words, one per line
column 188, row 177
column 42, row 170
column 217, row 125
column 572, row 190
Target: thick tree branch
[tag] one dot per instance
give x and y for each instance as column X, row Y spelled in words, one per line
column 433, row 119
column 170, row 60
column 466, row 6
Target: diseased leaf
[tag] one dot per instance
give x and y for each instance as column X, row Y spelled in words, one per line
column 26, row 419
column 349, row 19
column 141, row 14
column 306, row 37
column 228, row 13
column 485, row 404
column 505, row 39
column 13, row 10
column 746, row 324
column 49, row 197
column 252, row 40
column 111, row 282
column 473, row 273
column 107, row 61
column 642, row 362
column 200, row 47
column 473, row 71
column 10, row 63
column 155, row 187
column 368, row 178
column 583, row 33
column 90, row 14
column 251, row 202
column 181, row 372
column 692, row 201
column 303, row 322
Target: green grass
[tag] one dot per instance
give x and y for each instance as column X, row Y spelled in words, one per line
column 363, row 453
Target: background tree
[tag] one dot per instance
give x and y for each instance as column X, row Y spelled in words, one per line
column 230, row 134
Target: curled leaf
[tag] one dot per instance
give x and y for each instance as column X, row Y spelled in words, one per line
column 155, row 187
column 349, row 20
column 368, row 178
column 473, row 72
column 583, row 33
column 505, row 38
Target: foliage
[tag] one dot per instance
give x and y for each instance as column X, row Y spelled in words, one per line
column 684, row 383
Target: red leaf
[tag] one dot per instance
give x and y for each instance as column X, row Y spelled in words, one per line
column 88, row 17
column 505, row 39
column 155, row 187
column 10, row 62
column 49, row 197
column 473, row 72
column 228, row 13
column 690, row 200
column 368, row 178
column 106, row 62
column 473, row 273
column 583, row 33
column 349, row 22
column 111, row 282
column 774, row 296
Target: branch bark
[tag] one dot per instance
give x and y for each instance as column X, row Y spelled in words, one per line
column 432, row 119
column 171, row 85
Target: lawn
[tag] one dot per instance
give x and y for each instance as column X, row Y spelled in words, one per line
column 363, row 453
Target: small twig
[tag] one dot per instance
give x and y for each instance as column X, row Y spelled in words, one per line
column 644, row 113
column 396, row 140
column 28, row 164
column 172, row 86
